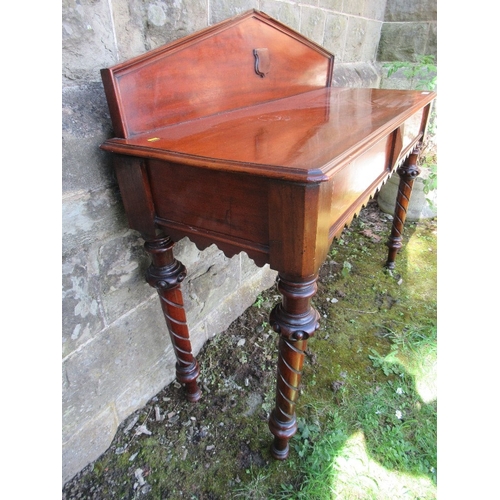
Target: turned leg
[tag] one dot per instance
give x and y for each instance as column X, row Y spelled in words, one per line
column 407, row 172
column 295, row 320
column 166, row 274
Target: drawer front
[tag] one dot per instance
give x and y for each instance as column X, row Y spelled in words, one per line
column 229, row 204
column 353, row 181
column 412, row 128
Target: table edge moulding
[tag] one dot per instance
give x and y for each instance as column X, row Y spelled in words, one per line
column 234, row 135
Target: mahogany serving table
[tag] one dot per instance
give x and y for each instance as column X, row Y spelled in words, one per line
column 234, row 136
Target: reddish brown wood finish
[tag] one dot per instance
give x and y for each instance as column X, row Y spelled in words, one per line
column 234, row 136
column 407, row 172
column 213, row 71
column 166, row 274
column 295, row 320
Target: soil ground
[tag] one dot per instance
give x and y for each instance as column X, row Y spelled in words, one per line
column 173, row 449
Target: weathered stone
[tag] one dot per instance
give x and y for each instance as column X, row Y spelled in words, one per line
column 361, row 40
column 87, row 40
column 247, row 266
column 85, row 110
column 335, row 5
column 431, row 46
column 85, row 125
column 204, row 291
column 312, row 24
column 222, row 9
column 129, row 22
column 76, row 176
column 287, row 13
column 91, row 440
column 88, row 220
column 81, row 315
column 410, row 11
column 375, row 9
column 100, row 373
column 335, row 35
column 167, row 21
column 235, row 304
column 402, row 41
column 196, row 261
column 122, row 264
column 354, row 7
column 186, row 251
column 89, row 217
column 151, row 380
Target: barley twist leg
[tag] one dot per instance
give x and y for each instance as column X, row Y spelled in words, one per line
column 407, row 172
column 166, row 274
column 295, row 320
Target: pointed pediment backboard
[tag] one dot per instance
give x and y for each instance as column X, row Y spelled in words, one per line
column 246, row 60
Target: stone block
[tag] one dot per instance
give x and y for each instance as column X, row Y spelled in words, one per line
column 335, row 35
column 150, row 380
column 235, row 304
column 85, row 125
column 354, row 7
column 312, row 24
column 402, row 41
column 77, row 175
column 129, row 20
column 287, row 13
column 96, row 375
column 122, row 263
column 248, row 267
column 335, row 5
column 88, row 443
column 410, row 10
column 204, row 290
column 91, row 216
column 195, row 260
column 81, row 313
column 375, row 9
column 166, row 21
column 87, row 40
column 361, row 40
column 431, row 47
column 222, row 9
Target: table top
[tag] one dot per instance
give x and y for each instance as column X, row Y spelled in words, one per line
column 305, row 137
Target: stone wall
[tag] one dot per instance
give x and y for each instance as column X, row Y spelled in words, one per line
column 116, row 351
column 409, row 30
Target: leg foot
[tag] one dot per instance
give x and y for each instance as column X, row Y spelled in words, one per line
column 283, row 432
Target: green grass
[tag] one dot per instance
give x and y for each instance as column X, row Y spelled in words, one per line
column 378, row 443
